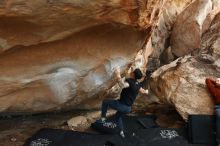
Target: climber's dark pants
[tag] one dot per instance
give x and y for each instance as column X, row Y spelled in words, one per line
column 119, row 107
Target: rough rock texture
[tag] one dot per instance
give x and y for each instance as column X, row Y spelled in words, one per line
column 60, row 55
column 81, row 123
column 165, row 16
column 216, row 4
column 182, row 84
column 210, row 45
column 209, row 19
column 46, row 76
column 49, row 20
column 77, row 121
column 187, row 30
column 211, row 39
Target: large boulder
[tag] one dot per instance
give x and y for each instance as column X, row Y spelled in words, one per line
column 209, row 19
column 163, row 18
column 28, row 22
column 211, row 39
column 64, row 73
column 48, row 20
column 60, row 55
column 187, row 30
column 182, row 85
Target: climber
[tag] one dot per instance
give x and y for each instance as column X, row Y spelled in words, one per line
column 213, row 85
column 131, row 88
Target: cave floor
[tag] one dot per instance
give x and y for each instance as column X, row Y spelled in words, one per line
column 15, row 130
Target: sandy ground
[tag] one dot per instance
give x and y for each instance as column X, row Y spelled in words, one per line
column 15, row 130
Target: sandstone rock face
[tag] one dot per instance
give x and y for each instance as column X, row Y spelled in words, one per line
column 60, row 55
column 182, row 84
column 65, row 72
column 57, row 55
column 165, row 17
column 49, row 20
column 211, row 39
column 187, row 30
column 216, row 3
column 64, row 51
column 209, row 19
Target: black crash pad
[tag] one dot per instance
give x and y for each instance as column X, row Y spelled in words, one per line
column 201, row 129
column 56, row 137
column 107, row 127
column 144, row 137
column 140, row 131
column 131, row 124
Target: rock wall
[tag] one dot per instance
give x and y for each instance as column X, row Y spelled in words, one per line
column 187, row 30
column 46, row 76
column 163, row 19
column 60, row 55
column 55, row 55
column 50, row 20
column 182, row 82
